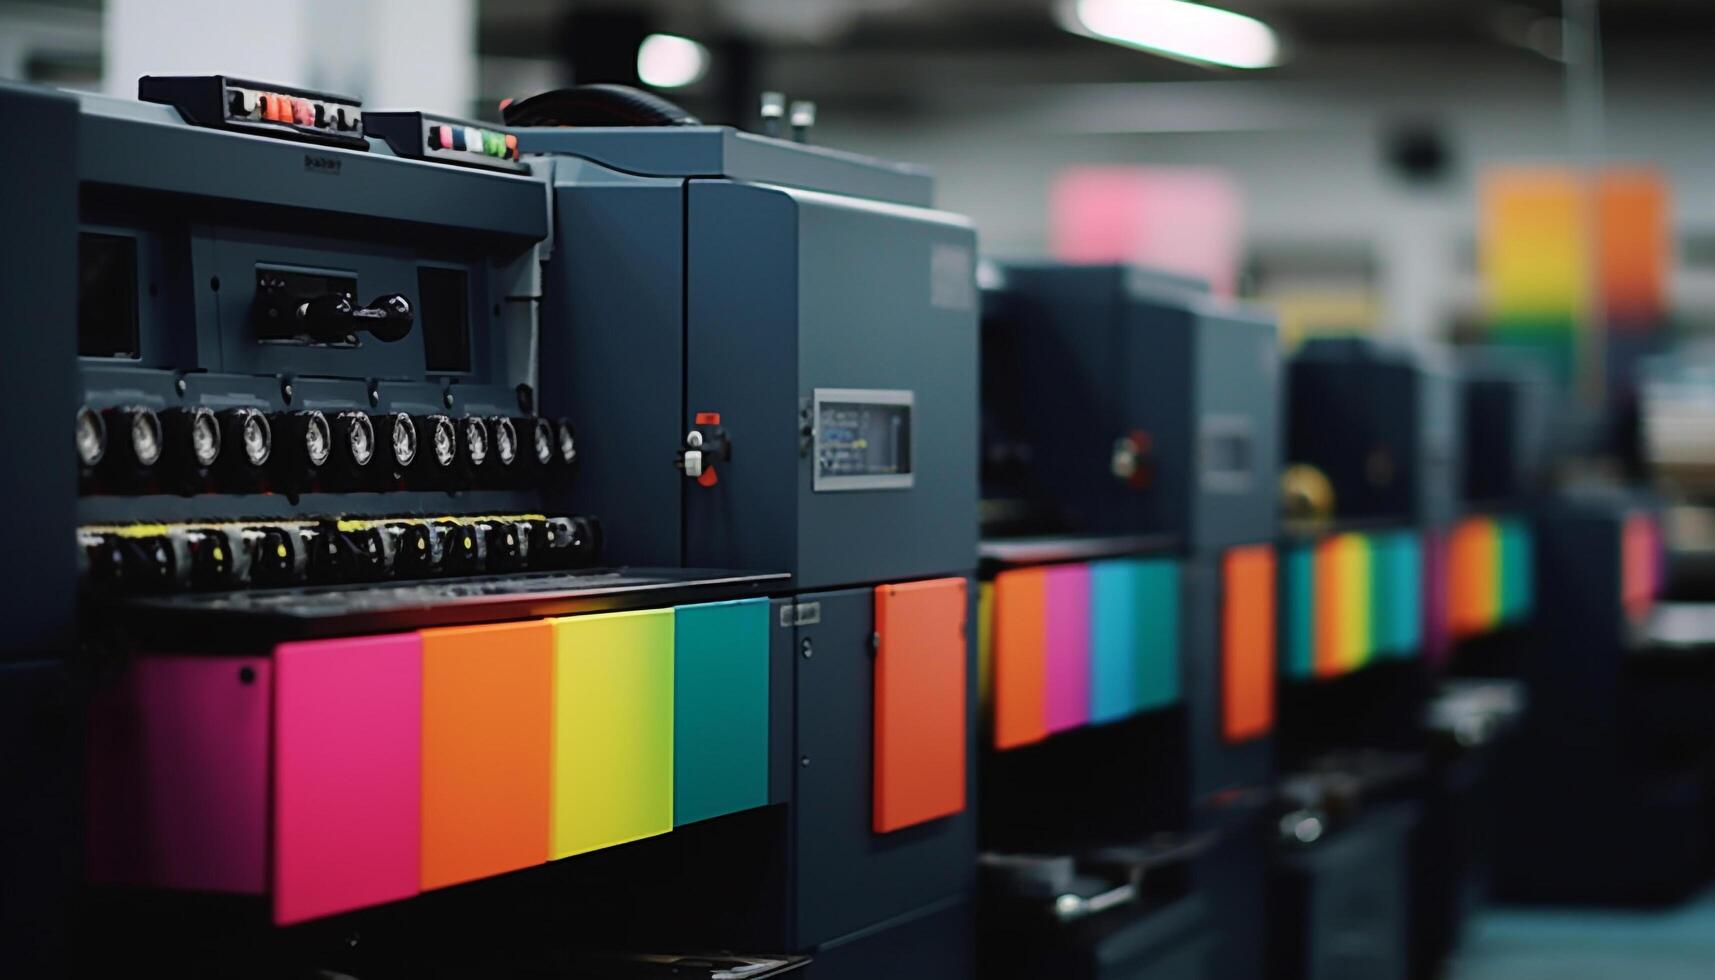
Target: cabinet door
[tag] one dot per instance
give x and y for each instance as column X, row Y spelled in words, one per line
column 347, row 774
column 920, row 705
column 1247, row 642
column 1020, row 652
column 613, row 729
column 720, row 709
column 487, row 713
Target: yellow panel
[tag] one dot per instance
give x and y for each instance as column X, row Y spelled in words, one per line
column 613, row 729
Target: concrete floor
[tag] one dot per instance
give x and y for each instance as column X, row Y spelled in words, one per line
column 1584, row 944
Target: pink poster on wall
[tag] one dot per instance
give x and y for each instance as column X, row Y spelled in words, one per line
column 1187, row 220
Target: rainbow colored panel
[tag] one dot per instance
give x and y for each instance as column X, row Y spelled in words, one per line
column 1067, row 692
column 1397, row 594
column 720, row 709
column 1064, row 646
column 1535, row 260
column 1342, row 604
column 1518, row 570
column 1134, row 608
column 613, row 729
column 347, row 772
column 1298, row 612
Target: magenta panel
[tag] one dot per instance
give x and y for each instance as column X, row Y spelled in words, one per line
column 347, row 774
column 1067, row 597
column 178, row 787
column 1437, row 639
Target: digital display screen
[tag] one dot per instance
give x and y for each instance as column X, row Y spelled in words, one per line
column 863, row 439
column 1227, row 454
column 106, row 295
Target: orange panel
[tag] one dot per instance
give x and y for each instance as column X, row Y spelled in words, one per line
column 1635, row 247
column 1329, row 589
column 1020, row 657
column 487, row 725
column 920, row 702
column 1247, row 642
column 1474, row 593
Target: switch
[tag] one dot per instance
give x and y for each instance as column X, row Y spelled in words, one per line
column 276, row 555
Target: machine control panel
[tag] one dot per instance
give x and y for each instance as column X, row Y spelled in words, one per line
column 862, row 439
column 268, row 110
column 422, row 136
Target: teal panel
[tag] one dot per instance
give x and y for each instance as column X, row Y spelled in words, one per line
column 1404, row 595
column 1298, row 613
column 1158, row 634
column 1115, row 639
column 720, row 709
column 1518, row 570
column 1383, row 610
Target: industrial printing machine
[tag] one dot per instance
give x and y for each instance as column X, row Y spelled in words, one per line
column 378, row 664
column 1128, row 459
column 609, row 545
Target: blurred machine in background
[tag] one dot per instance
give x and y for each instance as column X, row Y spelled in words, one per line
column 1128, row 449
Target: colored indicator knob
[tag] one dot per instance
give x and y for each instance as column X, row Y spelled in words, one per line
column 415, row 551
column 91, row 438
column 274, row 555
column 210, row 559
column 461, row 548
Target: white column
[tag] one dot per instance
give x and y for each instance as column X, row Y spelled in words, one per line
column 399, row 54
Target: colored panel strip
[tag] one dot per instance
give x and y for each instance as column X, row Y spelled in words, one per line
column 1639, row 564
column 1158, row 619
column 178, row 790
column 1518, row 571
column 1474, row 589
column 1115, row 643
column 1298, row 612
column 1067, row 701
column 1437, row 639
column 487, row 729
column 1355, row 601
column 1247, row 642
column 1404, row 597
column 348, row 768
column 1020, row 657
column 1330, row 572
column 720, row 709
column 985, row 649
column 920, row 698
column 613, row 729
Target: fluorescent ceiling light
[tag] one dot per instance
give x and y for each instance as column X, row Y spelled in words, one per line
column 1176, row 28
column 670, row 61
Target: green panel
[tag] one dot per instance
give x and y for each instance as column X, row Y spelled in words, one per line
column 1550, row 341
column 1518, row 570
column 720, row 704
column 613, row 729
column 1158, row 634
column 1298, row 612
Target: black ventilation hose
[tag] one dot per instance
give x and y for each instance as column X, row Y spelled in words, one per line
column 596, row 105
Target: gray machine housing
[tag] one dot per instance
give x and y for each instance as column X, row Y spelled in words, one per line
column 1506, row 430
column 204, row 209
column 1105, row 351
column 701, row 270
column 1382, row 423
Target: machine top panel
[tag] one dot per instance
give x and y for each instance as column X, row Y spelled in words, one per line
column 721, row 151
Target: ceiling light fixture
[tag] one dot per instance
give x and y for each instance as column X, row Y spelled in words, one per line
column 1177, row 29
column 670, row 61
